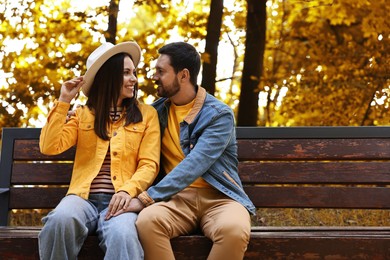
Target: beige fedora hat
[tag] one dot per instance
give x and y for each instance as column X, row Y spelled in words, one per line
column 105, row 51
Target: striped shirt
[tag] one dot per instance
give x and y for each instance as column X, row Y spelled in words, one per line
column 102, row 182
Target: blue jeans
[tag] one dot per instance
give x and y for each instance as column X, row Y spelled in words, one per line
column 68, row 225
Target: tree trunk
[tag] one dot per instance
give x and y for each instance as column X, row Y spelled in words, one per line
column 211, row 50
column 113, row 10
column 253, row 63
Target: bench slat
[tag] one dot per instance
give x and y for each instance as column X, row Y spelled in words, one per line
column 271, row 149
column 281, row 243
column 320, row 197
column 250, row 172
column 36, row 198
column 313, row 132
column 262, row 196
column 374, row 172
column 313, row 149
column 326, row 246
column 41, row 173
column 29, row 150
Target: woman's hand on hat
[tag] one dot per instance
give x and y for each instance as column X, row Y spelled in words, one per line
column 70, row 88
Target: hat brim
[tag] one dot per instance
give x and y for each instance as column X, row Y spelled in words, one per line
column 131, row 48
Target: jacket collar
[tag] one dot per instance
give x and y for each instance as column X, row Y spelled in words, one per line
column 199, row 101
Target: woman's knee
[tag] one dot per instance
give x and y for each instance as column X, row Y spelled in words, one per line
column 122, row 226
column 66, row 216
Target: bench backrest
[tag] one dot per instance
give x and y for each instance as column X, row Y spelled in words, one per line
column 297, row 167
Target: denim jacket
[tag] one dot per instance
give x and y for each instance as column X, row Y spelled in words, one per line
column 208, row 140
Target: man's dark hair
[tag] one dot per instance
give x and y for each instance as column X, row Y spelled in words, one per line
column 183, row 56
column 105, row 91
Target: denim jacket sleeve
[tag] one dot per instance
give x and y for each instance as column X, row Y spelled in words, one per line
column 211, row 132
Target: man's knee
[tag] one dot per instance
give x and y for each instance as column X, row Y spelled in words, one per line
column 146, row 220
column 235, row 231
column 153, row 220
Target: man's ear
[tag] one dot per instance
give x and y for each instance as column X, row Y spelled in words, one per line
column 185, row 74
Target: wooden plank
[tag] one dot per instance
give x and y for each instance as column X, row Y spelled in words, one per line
column 262, row 196
column 29, row 150
column 261, row 149
column 383, row 231
column 336, row 172
column 319, row 197
column 314, row 149
column 250, row 172
column 285, row 243
column 22, row 243
column 191, row 247
column 263, row 132
column 328, row 246
column 36, row 198
column 313, row 132
column 41, row 173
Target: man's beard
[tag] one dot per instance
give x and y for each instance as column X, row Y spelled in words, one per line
column 168, row 91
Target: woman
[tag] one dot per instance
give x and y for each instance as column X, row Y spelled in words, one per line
column 117, row 157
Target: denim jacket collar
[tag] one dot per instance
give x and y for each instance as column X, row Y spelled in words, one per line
column 199, row 101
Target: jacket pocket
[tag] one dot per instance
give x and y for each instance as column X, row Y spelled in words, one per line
column 86, row 136
column 231, row 180
column 133, row 135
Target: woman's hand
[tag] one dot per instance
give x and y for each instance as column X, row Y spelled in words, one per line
column 135, row 206
column 70, row 88
column 118, row 204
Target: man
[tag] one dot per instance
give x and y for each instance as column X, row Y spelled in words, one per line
column 200, row 188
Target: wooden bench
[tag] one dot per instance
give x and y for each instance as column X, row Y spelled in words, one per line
column 300, row 167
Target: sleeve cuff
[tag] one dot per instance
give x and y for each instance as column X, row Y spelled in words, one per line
column 145, row 199
column 61, row 107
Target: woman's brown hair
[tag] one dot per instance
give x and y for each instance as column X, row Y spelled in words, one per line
column 105, row 91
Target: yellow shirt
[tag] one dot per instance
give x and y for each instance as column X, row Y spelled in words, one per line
column 171, row 151
column 135, row 149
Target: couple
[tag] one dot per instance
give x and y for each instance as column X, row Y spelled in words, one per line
column 117, row 160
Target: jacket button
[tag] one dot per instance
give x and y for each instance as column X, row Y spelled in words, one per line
column 88, row 126
column 114, row 153
column 114, row 178
column 191, row 146
column 115, row 134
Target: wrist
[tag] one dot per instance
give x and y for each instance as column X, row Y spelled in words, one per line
column 65, row 100
column 145, row 199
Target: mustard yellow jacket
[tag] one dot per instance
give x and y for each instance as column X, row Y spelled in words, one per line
column 135, row 149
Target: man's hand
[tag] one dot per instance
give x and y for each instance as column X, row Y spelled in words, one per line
column 119, row 202
column 135, row 205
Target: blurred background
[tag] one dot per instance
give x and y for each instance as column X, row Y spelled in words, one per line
column 276, row 62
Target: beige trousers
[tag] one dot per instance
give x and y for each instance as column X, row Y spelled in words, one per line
column 223, row 220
